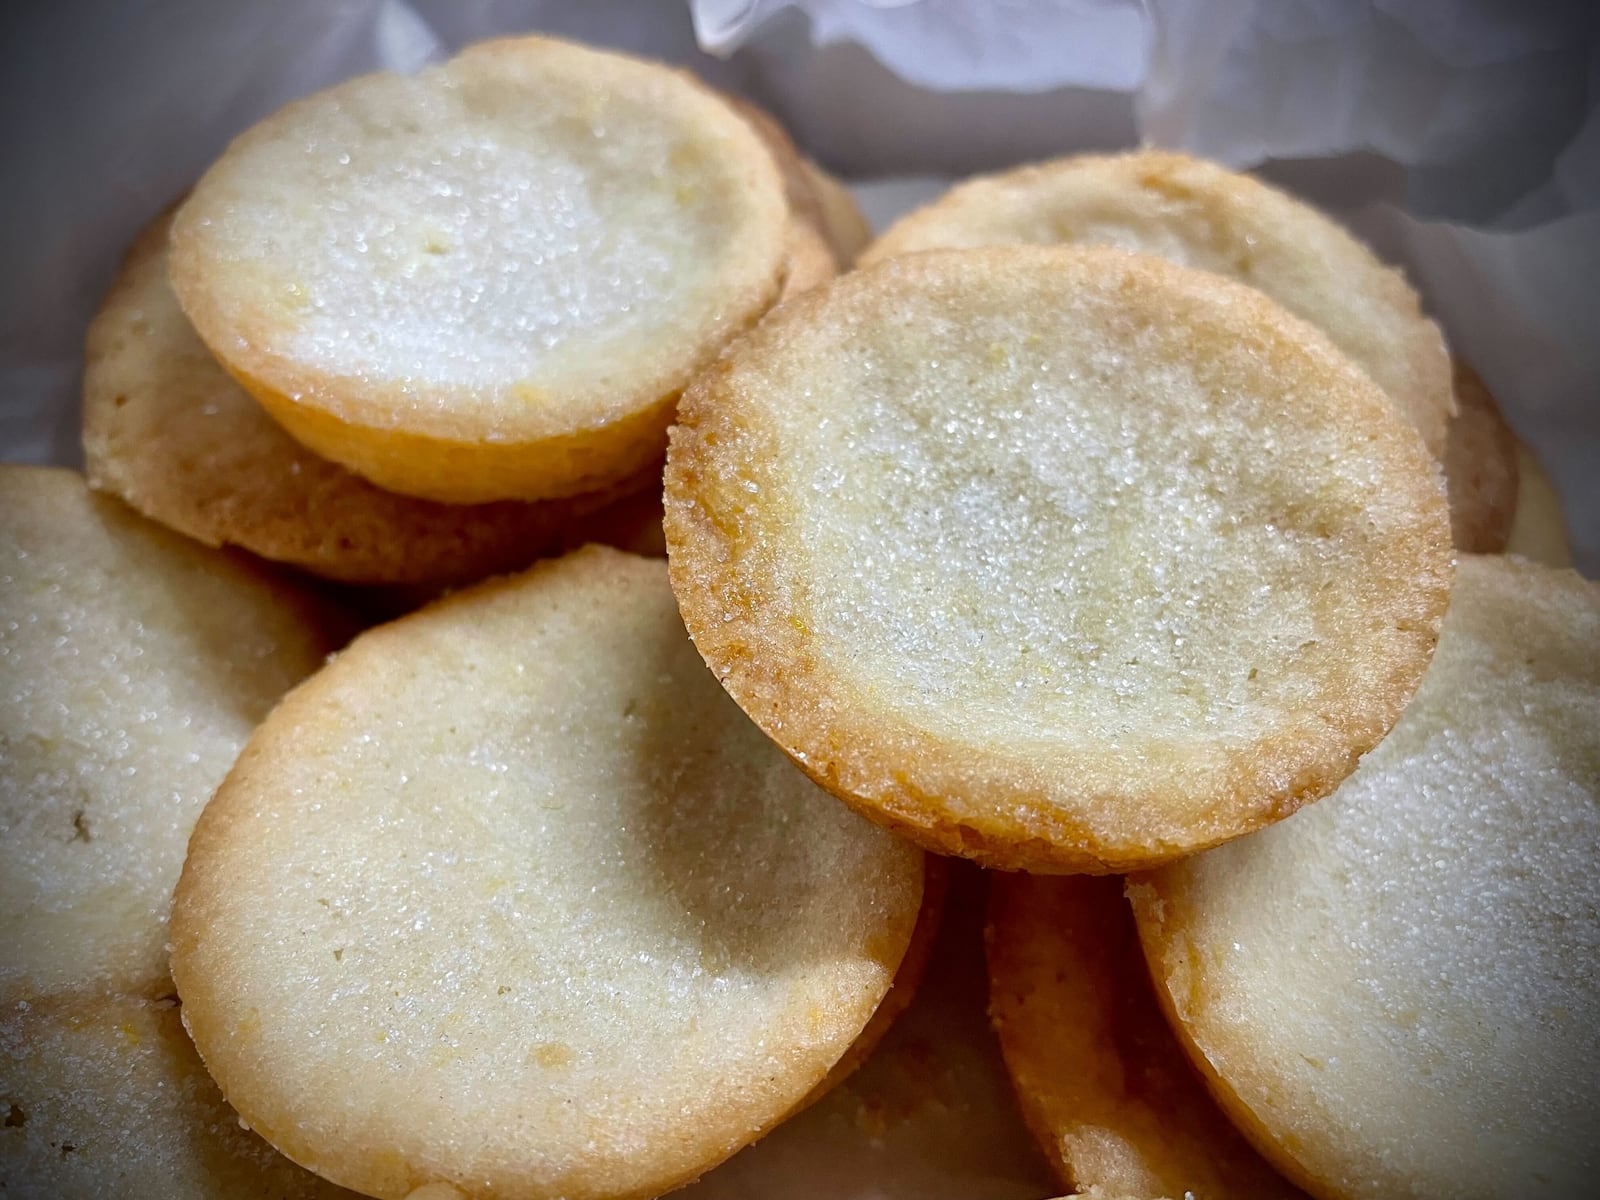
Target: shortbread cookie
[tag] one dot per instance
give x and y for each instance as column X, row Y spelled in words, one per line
column 1538, row 524
column 1104, row 1084
column 488, row 280
column 799, row 184
column 133, row 666
column 1202, row 215
column 167, row 430
column 1397, row 992
column 1480, row 468
column 519, row 855
column 1061, row 558
column 105, row 1099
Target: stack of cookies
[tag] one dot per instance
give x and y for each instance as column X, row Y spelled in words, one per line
column 1109, row 514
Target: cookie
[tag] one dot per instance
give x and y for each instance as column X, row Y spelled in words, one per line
column 903, row 988
column 1538, row 524
column 800, row 188
column 517, row 855
column 105, row 1099
column 133, row 666
column 1060, row 558
column 1104, row 1084
column 1397, row 992
column 1201, row 215
column 488, row 280
column 812, row 257
column 168, row 431
column 1480, row 468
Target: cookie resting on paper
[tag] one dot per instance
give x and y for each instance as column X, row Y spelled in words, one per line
column 1397, row 991
column 560, row 920
column 1060, row 558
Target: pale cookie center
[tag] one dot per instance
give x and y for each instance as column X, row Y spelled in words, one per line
column 1059, row 544
column 480, row 255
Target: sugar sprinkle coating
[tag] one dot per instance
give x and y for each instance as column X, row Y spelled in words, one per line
column 1058, row 557
column 105, row 1099
column 488, row 280
column 133, row 666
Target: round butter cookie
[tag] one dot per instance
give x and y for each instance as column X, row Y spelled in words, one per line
column 105, row 1099
column 133, row 666
column 800, row 188
column 1480, row 468
column 1397, row 992
column 1202, row 215
column 1061, row 558
column 167, row 430
column 557, row 918
column 488, row 280
column 1104, row 1084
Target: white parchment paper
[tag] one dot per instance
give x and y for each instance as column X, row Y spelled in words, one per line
column 1459, row 136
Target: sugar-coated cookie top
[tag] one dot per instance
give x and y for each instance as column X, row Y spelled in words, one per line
column 1399, row 988
column 533, row 237
column 1480, row 468
column 133, row 666
column 520, row 880
column 1199, row 214
column 1057, row 538
column 105, row 1099
column 168, row 431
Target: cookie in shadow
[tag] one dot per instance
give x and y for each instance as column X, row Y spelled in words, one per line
column 560, row 920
